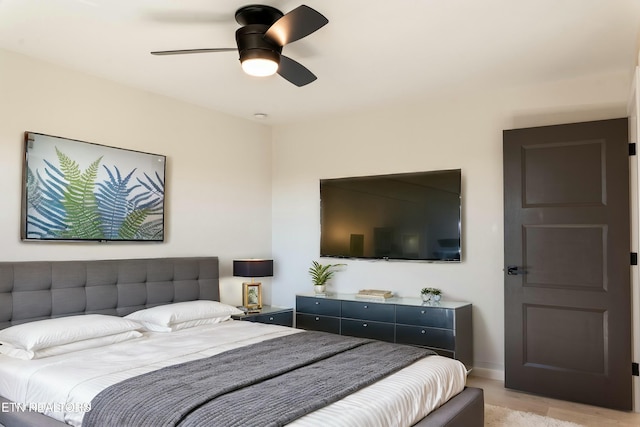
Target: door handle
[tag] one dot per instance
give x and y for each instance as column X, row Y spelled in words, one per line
column 514, row 270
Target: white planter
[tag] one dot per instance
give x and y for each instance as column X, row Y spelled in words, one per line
column 431, row 298
column 319, row 289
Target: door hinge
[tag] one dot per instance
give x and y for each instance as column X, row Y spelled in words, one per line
column 632, row 149
column 634, row 258
column 635, row 370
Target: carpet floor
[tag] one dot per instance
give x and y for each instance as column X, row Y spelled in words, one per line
column 497, row 416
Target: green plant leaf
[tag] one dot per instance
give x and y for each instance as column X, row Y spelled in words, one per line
column 320, row 273
column 79, row 201
column 131, row 224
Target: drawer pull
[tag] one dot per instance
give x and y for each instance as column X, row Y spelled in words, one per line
column 317, row 302
column 366, row 306
column 423, row 331
column 317, row 318
column 364, row 324
column 422, row 311
column 270, row 318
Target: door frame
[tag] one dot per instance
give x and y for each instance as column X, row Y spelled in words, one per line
column 633, row 113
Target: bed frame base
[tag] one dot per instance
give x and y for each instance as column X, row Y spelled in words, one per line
column 464, row 410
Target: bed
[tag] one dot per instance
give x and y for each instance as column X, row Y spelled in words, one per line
column 33, row 291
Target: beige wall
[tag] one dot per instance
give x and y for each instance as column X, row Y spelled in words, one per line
column 463, row 131
column 218, row 186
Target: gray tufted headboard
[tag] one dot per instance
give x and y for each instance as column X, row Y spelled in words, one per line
column 35, row 290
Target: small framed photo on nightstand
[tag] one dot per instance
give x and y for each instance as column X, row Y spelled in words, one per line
column 252, row 295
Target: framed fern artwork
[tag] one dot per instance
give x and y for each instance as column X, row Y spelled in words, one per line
column 80, row 191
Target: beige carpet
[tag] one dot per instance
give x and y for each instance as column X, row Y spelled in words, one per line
column 497, row 416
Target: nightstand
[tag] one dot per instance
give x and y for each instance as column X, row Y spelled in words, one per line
column 269, row 314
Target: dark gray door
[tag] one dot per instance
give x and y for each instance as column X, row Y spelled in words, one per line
column 567, row 256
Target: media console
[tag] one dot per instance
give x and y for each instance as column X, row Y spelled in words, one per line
column 445, row 328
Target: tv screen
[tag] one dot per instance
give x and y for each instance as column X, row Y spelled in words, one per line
column 409, row 216
column 79, row 191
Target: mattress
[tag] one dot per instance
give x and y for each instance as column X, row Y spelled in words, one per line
column 63, row 386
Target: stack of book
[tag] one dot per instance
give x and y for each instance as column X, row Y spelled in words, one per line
column 374, row 294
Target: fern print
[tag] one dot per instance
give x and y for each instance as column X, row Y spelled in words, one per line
column 63, row 201
column 80, row 203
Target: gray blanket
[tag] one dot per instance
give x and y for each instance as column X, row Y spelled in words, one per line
column 266, row 384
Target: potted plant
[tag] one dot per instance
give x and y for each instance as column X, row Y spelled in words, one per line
column 320, row 274
column 431, row 294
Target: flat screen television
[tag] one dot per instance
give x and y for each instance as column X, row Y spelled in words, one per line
column 408, row 216
column 80, row 191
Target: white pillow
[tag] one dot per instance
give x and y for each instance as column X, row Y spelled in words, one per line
column 19, row 353
column 183, row 325
column 180, row 315
column 64, row 330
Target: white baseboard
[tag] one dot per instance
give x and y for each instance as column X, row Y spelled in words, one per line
column 492, row 374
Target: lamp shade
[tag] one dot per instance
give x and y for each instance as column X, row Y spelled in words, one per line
column 253, row 267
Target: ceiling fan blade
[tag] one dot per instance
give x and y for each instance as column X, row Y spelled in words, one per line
column 183, row 51
column 298, row 23
column 295, row 72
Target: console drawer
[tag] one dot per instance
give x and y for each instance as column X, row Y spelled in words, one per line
column 425, row 337
column 368, row 311
column 445, row 328
column 367, row 329
column 312, row 305
column 425, row 316
column 318, row 323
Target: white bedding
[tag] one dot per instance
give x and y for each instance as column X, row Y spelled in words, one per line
column 60, row 384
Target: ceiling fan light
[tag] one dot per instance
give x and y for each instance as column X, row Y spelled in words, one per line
column 259, row 67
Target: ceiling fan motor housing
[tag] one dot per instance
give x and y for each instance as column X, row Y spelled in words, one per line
column 252, row 43
column 257, row 14
column 265, row 30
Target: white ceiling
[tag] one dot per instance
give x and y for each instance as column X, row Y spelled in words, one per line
column 372, row 52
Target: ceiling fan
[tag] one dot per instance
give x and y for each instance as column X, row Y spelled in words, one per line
column 264, row 32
